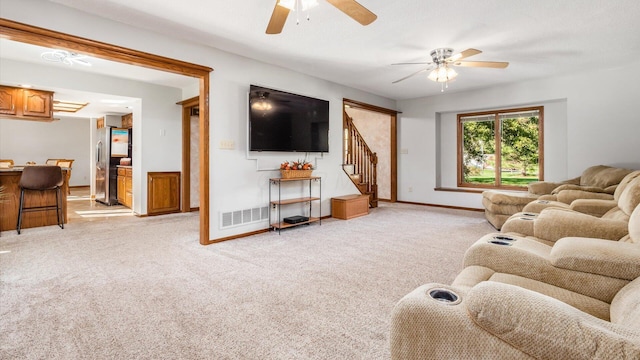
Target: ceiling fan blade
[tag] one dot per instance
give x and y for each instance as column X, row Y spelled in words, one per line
column 487, row 64
column 414, row 74
column 354, row 10
column 465, row 54
column 278, row 18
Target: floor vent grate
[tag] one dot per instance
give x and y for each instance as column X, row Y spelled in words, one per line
column 243, row 217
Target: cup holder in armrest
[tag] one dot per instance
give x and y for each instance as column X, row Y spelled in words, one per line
column 543, row 201
column 444, row 296
column 529, row 214
column 504, row 238
column 526, row 218
column 498, row 242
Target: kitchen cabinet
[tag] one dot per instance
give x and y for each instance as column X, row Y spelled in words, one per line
column 163, row 193
column 8, row 100
column 127, row 121
column 26, row 104
column 124, row 186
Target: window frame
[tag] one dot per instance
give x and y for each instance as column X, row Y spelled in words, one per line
column 498, row 143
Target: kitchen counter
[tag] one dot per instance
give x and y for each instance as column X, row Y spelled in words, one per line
column 10, row 179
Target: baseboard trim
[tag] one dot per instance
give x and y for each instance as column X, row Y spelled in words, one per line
column 441, row 206
column 238, row 236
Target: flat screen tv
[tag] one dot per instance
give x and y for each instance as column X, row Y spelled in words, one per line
column 281, row 121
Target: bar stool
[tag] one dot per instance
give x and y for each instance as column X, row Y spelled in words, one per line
column 41, row 178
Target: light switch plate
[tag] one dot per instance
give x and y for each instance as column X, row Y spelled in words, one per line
column 227, row 144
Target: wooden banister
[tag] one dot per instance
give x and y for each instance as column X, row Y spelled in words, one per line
column 363, row 161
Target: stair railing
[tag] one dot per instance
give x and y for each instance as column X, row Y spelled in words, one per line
column 362, row 160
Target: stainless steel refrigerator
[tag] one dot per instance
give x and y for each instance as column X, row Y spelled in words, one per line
column 109, row 151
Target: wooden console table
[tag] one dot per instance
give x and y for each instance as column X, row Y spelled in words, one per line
column 10, row 179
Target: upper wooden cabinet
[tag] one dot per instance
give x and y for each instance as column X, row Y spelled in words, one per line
column 26, row 103
column 37, row 103
column 127, row 121
column 8, row 100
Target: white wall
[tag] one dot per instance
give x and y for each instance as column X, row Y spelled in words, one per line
column 68, row 138
column 155, row 111
column 590, row 119
column 238, row 180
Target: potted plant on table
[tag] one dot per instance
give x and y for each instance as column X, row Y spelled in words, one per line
column 296, row 169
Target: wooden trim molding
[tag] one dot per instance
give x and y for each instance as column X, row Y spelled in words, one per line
column 441, row 206
column 43, row 37
column 498, row 151
column 187, row 106
column 370, row 107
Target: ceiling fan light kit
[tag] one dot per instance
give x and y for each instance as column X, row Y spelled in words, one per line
column 442, row 58
column 294, row 5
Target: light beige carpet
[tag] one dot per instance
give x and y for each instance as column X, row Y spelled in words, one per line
column 143, row 288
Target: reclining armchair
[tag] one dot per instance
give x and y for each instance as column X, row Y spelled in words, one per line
column 494, row 320
column 590, row 267
column 600, row 179
column 555, row 223
column 521, row 297
column 591, row 203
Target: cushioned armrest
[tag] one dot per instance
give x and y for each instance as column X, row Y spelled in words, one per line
column 593, row 189
column 542, row 187
column 569, row 196
column 546, row 328
column 593, row 207
column 610, row 258
column 555, row 223
column 426, row 328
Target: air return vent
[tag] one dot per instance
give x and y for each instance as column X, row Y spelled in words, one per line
column 243, row 217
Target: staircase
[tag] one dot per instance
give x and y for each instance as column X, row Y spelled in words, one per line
column 360, row 162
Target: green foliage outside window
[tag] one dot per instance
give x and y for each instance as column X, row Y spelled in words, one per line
column 519, row 157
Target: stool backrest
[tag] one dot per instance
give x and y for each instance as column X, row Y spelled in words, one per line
column 41, row 177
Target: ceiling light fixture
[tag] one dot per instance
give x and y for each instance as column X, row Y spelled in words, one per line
column 65, row 57
column 299, row 6
column 442, row 73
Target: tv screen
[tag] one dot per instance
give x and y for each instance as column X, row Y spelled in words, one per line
column 281, row 121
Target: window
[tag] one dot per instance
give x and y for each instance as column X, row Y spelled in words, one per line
column 501, row 148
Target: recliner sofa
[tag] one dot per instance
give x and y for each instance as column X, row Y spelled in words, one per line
column 600, row 179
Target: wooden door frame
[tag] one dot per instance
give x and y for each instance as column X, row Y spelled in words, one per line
column 34, row 35
column 187, row 106
column 393, row 134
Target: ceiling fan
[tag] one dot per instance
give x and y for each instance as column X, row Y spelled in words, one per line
column 442, row 58
column 65, row 57
column 350, row 7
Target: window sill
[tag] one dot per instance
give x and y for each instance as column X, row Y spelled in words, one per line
column 467, row 190
column 473, row 190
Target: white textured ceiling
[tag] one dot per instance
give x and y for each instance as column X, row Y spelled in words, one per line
column 541, row 38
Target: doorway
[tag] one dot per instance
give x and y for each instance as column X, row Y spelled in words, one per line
column 43, row 37
column 190, row 191
column 379, row 128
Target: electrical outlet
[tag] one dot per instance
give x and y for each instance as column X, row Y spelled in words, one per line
column 404, row 151
column 410, row 189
